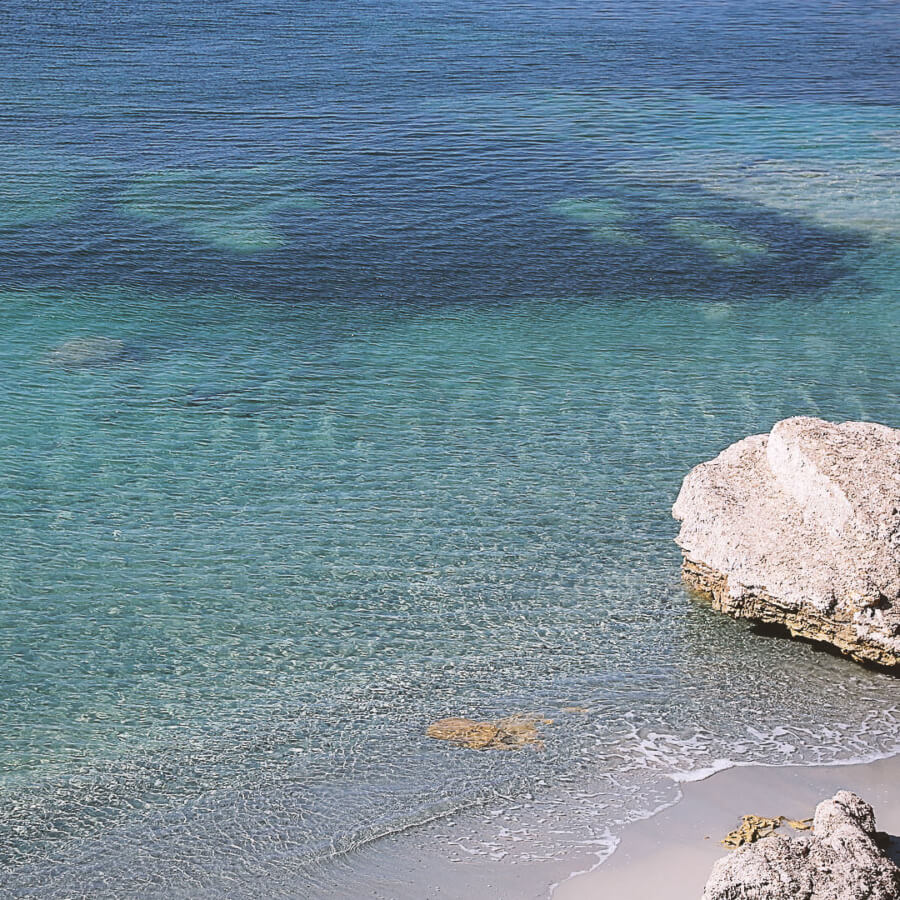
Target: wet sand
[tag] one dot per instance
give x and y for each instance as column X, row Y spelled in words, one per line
column 671, row 854
column 666, row 857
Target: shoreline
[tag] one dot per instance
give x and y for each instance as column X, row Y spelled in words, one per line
column 671, row 853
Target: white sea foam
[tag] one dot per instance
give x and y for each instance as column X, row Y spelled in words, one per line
column 701, row 774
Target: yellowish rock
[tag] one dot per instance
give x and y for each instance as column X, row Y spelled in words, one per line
column 465, row 732
column 752, row 828
column 510, row 733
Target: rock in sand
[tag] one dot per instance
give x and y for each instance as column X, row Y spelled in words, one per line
column 840, row 860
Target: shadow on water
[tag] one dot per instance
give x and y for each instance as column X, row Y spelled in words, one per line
column 770, row 638
column 451, row 247
column 771, row 630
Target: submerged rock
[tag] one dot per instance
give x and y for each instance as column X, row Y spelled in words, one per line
column 840, row 860
column 801, row 528
column 87, row 351
column 230, row 208
column 510, row 733
column 724, row 243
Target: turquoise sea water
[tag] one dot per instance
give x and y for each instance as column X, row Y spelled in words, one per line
column 413, row 319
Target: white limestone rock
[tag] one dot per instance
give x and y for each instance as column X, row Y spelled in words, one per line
column 840, row 860
column 801, row 527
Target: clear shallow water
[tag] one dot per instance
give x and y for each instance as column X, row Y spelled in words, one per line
column 424, row 314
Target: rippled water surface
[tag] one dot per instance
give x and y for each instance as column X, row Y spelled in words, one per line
column 352, row 356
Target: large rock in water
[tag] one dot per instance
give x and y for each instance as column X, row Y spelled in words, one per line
column 801, row 527
column 840, row 860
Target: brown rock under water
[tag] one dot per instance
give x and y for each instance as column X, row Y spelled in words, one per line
column 510, row 733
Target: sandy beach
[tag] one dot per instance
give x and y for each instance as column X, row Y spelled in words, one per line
column 670, row 855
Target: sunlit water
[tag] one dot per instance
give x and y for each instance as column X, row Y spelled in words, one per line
column 413, row 319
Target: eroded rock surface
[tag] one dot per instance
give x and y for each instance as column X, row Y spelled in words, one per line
column 840, row 860
column 801, row 527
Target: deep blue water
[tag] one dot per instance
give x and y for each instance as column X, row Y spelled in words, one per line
column 352, row 358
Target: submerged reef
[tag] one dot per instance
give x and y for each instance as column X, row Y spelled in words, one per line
column 724, row 243
column 607, row 216
column 840, row 859
column 230, row 208
column 801, row 528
